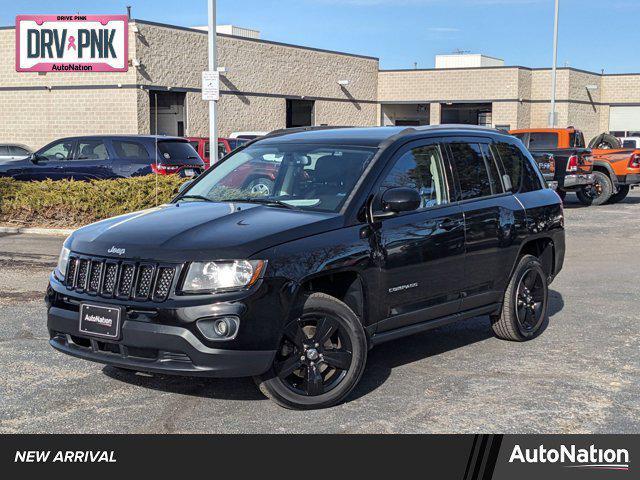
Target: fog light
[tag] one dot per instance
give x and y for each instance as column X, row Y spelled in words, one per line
column 220, row 328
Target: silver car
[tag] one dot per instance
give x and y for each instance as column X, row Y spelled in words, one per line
column 13, row 151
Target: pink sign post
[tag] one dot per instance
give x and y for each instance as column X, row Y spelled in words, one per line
column 72, row 43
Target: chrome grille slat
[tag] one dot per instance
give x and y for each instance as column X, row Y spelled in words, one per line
column 120, row 279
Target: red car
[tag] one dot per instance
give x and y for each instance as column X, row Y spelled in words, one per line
column 225, row 146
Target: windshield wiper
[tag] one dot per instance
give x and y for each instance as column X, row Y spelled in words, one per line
column 197, row 197
column 263, row 201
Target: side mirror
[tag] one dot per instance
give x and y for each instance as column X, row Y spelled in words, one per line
column 398, row 200
column 33, row 158
column 182, row 187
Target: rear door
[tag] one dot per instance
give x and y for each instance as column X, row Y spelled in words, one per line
column 421, row 252
column 91, row 160
column 489, row 219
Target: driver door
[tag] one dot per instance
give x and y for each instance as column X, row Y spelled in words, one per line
column 51, row 161
column 421, row 253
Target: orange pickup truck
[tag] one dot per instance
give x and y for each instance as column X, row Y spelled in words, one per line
column 616, row 171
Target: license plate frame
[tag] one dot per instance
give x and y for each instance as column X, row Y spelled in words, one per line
column 101, row 314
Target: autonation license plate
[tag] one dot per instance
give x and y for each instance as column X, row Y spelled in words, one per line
column 100, row 321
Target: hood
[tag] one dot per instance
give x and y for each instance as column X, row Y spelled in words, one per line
column 198, row 231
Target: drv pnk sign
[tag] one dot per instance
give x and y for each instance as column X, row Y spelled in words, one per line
column 72, row 43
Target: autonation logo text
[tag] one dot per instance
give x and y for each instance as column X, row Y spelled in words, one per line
column 590, row 458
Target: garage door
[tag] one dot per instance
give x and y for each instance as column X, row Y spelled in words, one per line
column 624, row 118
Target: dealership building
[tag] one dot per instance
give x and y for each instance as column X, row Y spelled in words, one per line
column 269, row 85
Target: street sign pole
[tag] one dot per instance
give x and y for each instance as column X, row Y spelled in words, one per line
column 213, row 67
column 552, row 116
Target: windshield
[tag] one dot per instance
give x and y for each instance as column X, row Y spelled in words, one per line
column 312, row 177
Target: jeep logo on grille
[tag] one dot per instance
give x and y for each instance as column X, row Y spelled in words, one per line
column 116, row 250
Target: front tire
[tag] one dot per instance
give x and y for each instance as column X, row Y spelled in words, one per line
column 599, row 193
column 525, row 302
column 623, row 191
column 321, row 357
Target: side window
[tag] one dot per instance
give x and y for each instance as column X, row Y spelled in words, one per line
column 421, row 168
column 4, row 151
column 473, row 175
column 522, row 174
column 91, row 150
column 58, row 151
column 129, row 150
column 222, row 150
column 18, row 151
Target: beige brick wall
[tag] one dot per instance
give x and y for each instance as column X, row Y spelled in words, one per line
column 257, row 67
column 36, row 117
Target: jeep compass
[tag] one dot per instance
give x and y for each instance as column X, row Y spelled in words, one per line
column 367, row 235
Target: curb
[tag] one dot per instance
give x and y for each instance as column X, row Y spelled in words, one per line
column 38, row 231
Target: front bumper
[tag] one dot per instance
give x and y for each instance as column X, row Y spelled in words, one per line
column 164, row 337
column 578, row 180
column 155, row 348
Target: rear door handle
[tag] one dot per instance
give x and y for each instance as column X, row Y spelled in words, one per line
column 448, row 224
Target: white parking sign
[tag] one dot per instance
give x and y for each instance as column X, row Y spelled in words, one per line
column 211, row 86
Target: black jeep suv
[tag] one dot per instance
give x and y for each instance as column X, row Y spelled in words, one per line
column 368, row 235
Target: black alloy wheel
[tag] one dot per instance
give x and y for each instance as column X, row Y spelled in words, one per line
column 315, row 355
column 524, row 309
column 321, row 357
column 530, row 300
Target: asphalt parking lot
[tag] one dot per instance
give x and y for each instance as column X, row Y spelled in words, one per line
column 581, row 375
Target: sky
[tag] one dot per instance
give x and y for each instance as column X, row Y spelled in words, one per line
column 593, row 34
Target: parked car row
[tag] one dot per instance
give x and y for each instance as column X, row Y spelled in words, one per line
column 116, row 156
column 104, row 157
column 596, row 175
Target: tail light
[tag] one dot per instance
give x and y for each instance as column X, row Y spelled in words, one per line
column 634, row 161
column 161, row 169
column 552, row 164
column 572, row 164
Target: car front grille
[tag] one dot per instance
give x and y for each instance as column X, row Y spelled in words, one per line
column 120, row 279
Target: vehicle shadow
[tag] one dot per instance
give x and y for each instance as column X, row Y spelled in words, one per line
column 219, row 388
column 384, row 358
column 381, row 361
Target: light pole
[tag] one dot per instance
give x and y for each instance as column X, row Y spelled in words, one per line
column 213, row 66
column 552, row 114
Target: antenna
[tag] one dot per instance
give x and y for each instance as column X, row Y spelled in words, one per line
column 457, row 51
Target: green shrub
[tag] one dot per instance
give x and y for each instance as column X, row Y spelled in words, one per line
column 70, row 203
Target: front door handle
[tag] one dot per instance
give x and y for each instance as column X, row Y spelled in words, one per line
column 448, row 224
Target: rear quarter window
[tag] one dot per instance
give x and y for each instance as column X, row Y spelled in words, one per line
column 523, row 175
column 130, row 150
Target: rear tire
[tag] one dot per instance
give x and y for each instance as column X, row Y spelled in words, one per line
column 262, row 186
column 599, row 193
column 525, row 302
column 321, row 358
column 623, row 191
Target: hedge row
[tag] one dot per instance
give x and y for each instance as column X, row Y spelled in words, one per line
column 70, row 203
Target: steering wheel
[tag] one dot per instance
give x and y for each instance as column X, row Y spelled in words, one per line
column 60, row 156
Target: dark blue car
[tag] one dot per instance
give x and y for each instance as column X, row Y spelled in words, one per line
column 107, row 156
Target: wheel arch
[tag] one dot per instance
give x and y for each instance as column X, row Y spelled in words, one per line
column 346, row 285
column 544, row 249
column 605, row 167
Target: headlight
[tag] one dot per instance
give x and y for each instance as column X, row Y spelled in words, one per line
column 222, row 275
column 63, row 261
